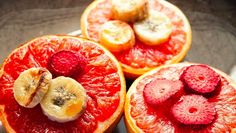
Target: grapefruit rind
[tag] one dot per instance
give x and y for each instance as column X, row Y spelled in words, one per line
column 108, row 124
column 129, row 121
column 131, row 72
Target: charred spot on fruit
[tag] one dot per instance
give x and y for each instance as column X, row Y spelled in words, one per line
column 29, row 86
column 38, row 86
column 41, row 72
column 37, row 73
column 42, row 80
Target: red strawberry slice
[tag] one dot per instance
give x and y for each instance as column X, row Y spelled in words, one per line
column 200, row 78
column 193, row 109
column 160, row 90
column 64, row 63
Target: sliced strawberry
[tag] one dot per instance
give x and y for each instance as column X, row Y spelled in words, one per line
column 160, row 90
column 64, row 63
column 193, row 109
column 200, row 78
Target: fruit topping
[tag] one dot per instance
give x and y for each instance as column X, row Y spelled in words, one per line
column 193, row 110
column 130, row 10
column 65, row 100
column 160, row 90
column 153, row 30
column 64, row 63
column 200, row 78
column 31, row 86
column 117, row 36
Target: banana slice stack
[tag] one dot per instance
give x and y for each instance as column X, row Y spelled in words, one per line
column 62, row 99
column 149, row 26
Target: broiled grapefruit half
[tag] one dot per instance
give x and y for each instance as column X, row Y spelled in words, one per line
column 142, row 58
column 140, row 116
column 100, row 75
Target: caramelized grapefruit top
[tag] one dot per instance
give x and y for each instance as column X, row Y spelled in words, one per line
column 101, row 77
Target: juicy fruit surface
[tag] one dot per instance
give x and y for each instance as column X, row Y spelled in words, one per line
column 141, row 55
column 101, row 82
column 193, row 109
column 149, row 120
column 200, row 78
column 159, row 91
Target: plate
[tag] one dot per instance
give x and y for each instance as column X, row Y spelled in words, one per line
column 213, row 25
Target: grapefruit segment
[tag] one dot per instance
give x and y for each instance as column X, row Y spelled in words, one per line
column 101, row 77
column 43, row 48
column 141, row 117
column 6, row 80
column 19, row 61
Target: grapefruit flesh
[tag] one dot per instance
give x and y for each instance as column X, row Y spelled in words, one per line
column 101, row 78
column 142, row 117
column 142, row 57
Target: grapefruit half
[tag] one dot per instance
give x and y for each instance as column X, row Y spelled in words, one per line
column 142, row 58
column 141, row 117
column 101, row 77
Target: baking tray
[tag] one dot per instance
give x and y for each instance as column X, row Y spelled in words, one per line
column 213, row 24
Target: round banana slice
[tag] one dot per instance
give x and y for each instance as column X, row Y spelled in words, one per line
column 31, row 86
column 117, row 36
column 130, row 10
column 154, row 30
column 65, row 100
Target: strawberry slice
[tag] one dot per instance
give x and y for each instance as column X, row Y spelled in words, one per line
column 193, row 109
column 200, row 79
column 160, row 90
column 64, row 63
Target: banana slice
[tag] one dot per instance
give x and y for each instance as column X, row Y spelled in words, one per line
column 154, row 30
column 65, row 100
column 30, row 87
column 117, row 36
column 130, row 10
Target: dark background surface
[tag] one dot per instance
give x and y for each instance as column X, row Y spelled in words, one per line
column 213, row 24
